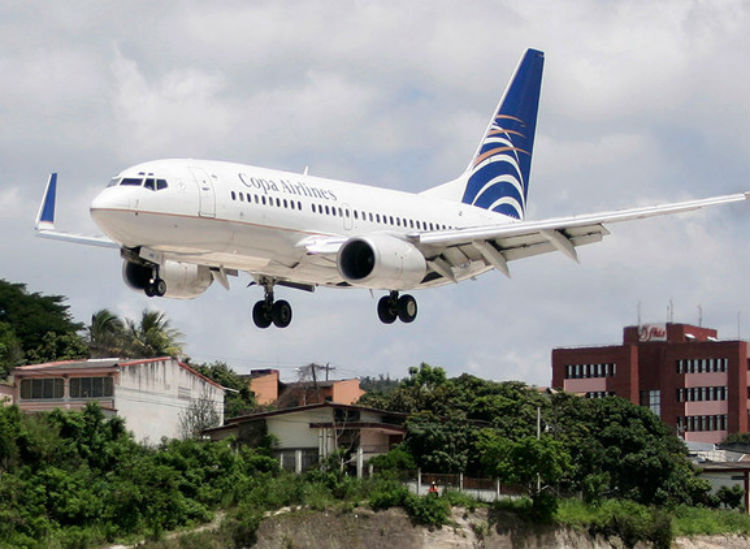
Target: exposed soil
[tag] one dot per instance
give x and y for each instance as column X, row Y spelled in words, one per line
column 363, row 528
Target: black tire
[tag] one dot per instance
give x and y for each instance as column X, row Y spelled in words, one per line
column 281, row 314
column 385, row 310
column 160, row 287
column 149, row 290
column 407, row 308
column 261, row 315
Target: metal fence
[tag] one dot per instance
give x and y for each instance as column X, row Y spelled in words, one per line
column 480, row 488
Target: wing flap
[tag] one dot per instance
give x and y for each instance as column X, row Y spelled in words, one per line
column 569, row 225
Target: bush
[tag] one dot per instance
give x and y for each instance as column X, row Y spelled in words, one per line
column 428, row 510
column 731, row 497
column 386, row 497
column 240, row 526
column 633, row 523
column 457, row 498
column 543, row 507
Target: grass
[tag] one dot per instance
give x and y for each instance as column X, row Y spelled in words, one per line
column 689, row 520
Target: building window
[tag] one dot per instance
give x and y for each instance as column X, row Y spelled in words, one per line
column 703, row 393
column 702, row 423
column 83, row 388
column 652, row 400
column 593, row 370
column 600, row 394
column 692, row 366
column 42, row 388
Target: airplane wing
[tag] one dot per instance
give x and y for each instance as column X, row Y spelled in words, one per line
column 45, row 221
column 498, row 244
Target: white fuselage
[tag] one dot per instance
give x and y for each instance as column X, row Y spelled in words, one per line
column 252, row 219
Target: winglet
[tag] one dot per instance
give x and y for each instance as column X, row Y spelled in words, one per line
column 45, row 218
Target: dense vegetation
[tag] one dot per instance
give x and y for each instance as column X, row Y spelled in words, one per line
column 238, row 400
column 35, row 328
column 600, row 448
column 78, row 479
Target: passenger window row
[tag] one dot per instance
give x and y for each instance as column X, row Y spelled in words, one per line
column 328, row 210
column 266, row 201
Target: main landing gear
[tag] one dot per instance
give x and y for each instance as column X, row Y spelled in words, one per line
column 268, row 311
column 155, row 286
column 392, row 306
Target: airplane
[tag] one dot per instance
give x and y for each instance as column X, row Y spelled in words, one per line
column 180, row 224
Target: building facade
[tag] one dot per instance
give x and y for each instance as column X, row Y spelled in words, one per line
column 268, row 389
column 305, row 435
column 683, row 373
column 150, row 394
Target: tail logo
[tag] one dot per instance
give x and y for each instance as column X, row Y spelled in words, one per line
column 498, row 176
column 496, row 182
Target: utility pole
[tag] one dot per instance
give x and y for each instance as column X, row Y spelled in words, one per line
column 538, row 436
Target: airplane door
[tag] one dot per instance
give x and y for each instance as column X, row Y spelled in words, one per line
column 206, row 193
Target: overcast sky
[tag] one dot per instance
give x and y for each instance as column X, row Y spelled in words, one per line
column 642, row 102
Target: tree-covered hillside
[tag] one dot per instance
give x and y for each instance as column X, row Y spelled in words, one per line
column 598, row 447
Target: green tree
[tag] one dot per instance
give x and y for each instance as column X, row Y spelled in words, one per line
column 239, row 399
column 11, row 350
column 152, row 336
column 623, row 450
column 530, row 461
column 437, row 443
column 40, row 324
column 106, row 336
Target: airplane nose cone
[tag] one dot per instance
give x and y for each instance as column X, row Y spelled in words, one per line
column 109, row 199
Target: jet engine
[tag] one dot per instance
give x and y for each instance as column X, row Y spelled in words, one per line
column 183, row 280
column 381, row 261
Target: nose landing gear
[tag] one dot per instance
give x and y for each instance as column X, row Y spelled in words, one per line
column 392, row 307
column 268, row 311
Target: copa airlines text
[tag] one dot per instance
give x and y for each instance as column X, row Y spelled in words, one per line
column 180, row 224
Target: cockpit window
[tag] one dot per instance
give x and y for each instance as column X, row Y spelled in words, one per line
column 149, row 182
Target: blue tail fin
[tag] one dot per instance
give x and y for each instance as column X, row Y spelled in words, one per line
column 46, row 214
column 498, row 175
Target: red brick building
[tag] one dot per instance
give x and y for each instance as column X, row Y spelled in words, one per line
column 270, row 390
column 683, row 373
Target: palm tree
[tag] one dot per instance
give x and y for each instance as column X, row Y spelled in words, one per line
column 106, row 334
column 153, row 337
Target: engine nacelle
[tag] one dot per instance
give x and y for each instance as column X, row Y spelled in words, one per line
column 184, row 281
column 381, row 261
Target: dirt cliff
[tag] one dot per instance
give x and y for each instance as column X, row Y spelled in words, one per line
column 363, row 528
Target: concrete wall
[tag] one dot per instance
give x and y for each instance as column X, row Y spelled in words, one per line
column 293, row 429
column 152, row 395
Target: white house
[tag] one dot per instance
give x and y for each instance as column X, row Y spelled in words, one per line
column 150, row 394
column 310, row 433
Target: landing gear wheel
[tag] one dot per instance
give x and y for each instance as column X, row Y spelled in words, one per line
column 159, row 287
column 407, row 308
column 386, row 311
column 149, row 290
column 261, row 314
column 281, row 313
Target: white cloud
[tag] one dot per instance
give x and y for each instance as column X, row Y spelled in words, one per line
column 641, row 102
